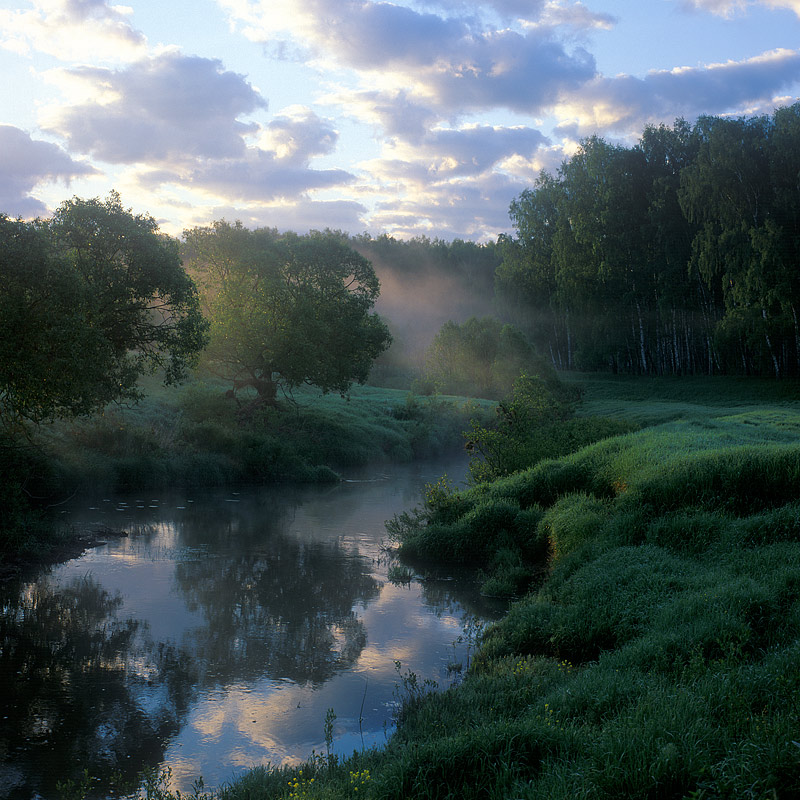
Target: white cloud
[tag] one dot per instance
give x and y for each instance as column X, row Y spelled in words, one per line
column 300, row 215
column 256, row 176
column 297, row 134
column 73, row 30
column 168, row 107
column 26, row 163
column 474, row 208
column 456, row 63
column 577, row 16
column 626, row 103
column 728, row 8
column 278, row 168
column 451, row 152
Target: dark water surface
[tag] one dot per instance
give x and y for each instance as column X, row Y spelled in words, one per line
column 218, row 632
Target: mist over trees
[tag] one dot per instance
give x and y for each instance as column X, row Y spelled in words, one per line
column 285, row 309
column 676, row 256
column 480, row 358
column 424, row 284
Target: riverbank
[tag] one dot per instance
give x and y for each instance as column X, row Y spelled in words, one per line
column 658, row 659
column 196, row 436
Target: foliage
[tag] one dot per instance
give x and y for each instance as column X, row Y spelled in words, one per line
column 286, row 310
column 481, row 358
column 533, row 423
column 675, row 256
column 91, row 300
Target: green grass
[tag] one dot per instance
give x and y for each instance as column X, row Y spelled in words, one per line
column 653, row 649
column 658, row 400
column 658, row 659
column 194, row 435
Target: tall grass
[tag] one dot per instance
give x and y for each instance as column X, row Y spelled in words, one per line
column 198, row 436
column 653, row 648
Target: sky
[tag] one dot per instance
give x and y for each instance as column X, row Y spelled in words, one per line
column 408, row 118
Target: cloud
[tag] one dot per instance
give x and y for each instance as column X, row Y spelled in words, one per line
column 626, row 103
column 178, row 119
column 475, row 208
column 722, row 8
column 792, row 5
column 458, row 64
column 574, row 15
column 168, row 107
column 26, row 162
column 394, row 114
column 301, row 215
column 504, row 9
column 524, row 73
column 257, row 176
column 277, row 169
column 444, row 153
column 73, row 30
column 727, row 8
column 297, row 134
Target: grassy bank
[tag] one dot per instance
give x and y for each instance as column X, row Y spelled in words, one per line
column 195, row 435
column 658, row 657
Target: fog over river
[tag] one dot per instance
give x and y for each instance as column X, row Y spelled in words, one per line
column 216, row 634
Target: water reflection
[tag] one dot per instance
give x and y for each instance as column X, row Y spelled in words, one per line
column 216, row 635
column 82, row 686
column 285, row 612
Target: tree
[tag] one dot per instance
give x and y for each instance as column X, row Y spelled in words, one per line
column 90, row 300
column 481, row 358
column 286, row 309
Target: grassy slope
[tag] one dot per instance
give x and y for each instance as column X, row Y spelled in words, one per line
column 192, row 435
column 659, row 658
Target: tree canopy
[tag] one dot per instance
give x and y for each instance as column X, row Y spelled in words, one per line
column 678, row 255
column 286, row 309
column 89, row 301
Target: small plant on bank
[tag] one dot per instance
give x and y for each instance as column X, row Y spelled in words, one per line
column 399, row 574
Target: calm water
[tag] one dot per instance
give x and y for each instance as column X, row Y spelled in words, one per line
column 215, row 636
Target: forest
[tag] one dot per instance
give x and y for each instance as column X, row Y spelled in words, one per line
column 676, row 256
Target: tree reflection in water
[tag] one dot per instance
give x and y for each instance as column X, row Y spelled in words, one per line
column 82, row 688
column 86, row 686
column 284, row 612
column 260, row 592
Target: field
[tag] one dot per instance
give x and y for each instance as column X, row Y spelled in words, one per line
column 652, row 649
column 658, row 657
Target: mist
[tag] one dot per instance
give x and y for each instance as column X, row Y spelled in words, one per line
column 423, row 285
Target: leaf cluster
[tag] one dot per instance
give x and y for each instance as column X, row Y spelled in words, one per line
column 91, row 299
column 286, row 309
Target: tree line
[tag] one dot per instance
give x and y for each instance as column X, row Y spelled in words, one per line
column 96, row 296
column 676, row 256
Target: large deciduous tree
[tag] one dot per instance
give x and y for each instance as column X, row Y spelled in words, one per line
column 89, row 301
column 286, row 309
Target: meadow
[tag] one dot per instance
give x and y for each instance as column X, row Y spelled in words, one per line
column 652, row 644
column 657, row 655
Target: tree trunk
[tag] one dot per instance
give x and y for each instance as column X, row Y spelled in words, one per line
column 266, row 390
column 769, row 345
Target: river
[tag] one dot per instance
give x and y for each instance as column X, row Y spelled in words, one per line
column 218, row 632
